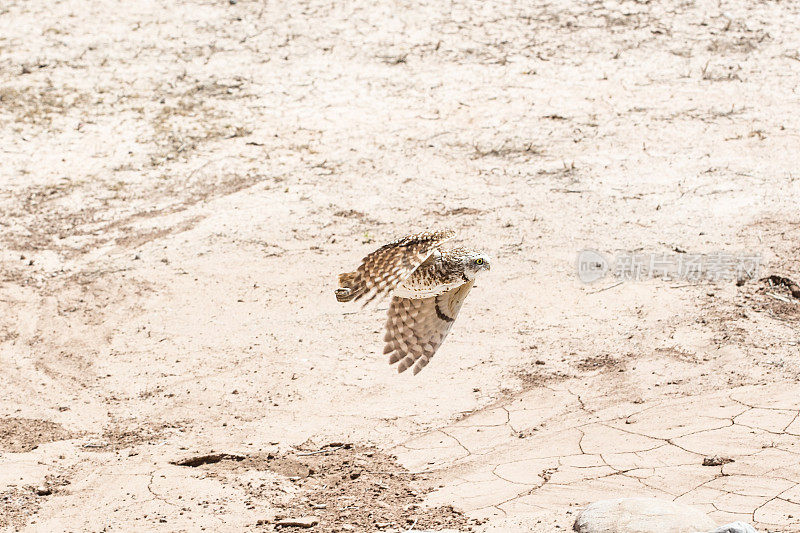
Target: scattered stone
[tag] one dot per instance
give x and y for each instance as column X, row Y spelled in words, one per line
column 716, row 460
column 304, row 521
column 641, row 515
column 43, row 490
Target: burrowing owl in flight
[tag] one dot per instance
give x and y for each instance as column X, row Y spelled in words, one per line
column 428, row 286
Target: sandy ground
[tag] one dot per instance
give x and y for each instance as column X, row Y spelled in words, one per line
column 182, row 181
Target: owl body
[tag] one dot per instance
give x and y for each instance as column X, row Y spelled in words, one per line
column 441, row 272
column 428, row 287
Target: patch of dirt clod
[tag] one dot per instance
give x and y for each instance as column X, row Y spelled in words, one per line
column 780, row 297
column 780, row 281
column 599, row 362
column 16, row 505
column 25, row 434
column 121, row 435
column 533, row 378
column 19, row 504
column 342, row 487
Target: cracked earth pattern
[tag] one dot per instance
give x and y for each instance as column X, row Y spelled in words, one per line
column 560, row 446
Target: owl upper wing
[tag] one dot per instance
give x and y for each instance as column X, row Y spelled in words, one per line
column 417, row 327
column 382, row 270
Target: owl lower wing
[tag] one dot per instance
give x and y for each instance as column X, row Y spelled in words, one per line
column 382, row 270
column 417, row 327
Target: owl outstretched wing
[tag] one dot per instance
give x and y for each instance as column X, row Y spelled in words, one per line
column 417, row 327
column 382, row 270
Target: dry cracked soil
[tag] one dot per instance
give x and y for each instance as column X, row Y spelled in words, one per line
column 180, row 183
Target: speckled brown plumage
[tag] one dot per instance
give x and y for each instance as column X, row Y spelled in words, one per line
column 429, row 287
column 383, row 269
column 416, row 327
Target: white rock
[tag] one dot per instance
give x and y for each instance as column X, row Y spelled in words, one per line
column 641, row 515
column 735, row 527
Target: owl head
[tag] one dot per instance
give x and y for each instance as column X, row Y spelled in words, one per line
column 475, row 262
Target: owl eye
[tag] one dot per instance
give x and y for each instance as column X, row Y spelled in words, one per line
column 479, row 261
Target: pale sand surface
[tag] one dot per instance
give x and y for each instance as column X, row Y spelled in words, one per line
column 180, row 183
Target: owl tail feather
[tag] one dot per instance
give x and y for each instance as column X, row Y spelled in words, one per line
column 348, row 287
